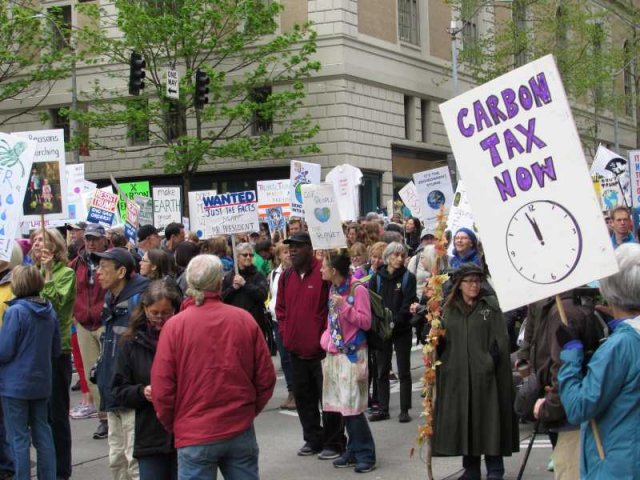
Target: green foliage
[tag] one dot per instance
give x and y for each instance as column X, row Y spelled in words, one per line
column 574, row 31
column 29, row 67
column 236, row 42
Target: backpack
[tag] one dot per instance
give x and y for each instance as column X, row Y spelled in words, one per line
column 381, row 317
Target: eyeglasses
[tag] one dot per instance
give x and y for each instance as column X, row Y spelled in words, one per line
column 478, row 281
column 246, row 254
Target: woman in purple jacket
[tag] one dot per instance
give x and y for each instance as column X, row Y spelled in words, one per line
column 345, row 387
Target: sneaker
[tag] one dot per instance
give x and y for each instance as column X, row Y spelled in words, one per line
column 344, row 461
column 83, row 411
column 307, row 450
column 404, row 417
column 289, row 403
column 551, row 465
column 102, row 431
column 328, row 454
column 379, row 415
column 365, row 467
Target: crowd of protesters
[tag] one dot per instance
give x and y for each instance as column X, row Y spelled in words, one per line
column 137, row 322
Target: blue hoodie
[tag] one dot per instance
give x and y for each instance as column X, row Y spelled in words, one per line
column 29, row 339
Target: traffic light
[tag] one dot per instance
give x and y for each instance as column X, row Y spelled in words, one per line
column 136, row 73
column 201, row 95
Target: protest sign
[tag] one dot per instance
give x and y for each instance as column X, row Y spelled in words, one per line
column 460, row 215
column 277, row 222
column 610, row 193
column 47, row 187
column 519, row 152
column 435, row 191
column 302, row 173
column 16, row 159
column 197, row 212
column 131, row 221
column 411, row 199
column 75, row 187
column 131, row 189
column 610, row 165
column 167, row 206
column 227, row 214
column 102, row 209
column 273, row 193
column 145, row 216
column 634, row 165
column 322, row 217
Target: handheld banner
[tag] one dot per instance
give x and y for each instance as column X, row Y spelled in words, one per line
column 610, row 165
column 16, row 159
column 411, row 199
column 131, row 221
column 435, row 191
column 228, row 214
column 321, row 215
column 145, row 216
column 634, row 165
column 519, row 152
column 167, row 206
column 276, row 221
column 460, row 214
column 47, row 187
column 102, row 209
column 131, row 189
column 302, row 173
column 197, row 212
column 274, row 193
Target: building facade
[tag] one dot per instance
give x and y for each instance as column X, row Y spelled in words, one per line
column 386, row 66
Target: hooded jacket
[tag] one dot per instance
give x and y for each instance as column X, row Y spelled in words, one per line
column 250, row 297
column 132, row 374
column 5, row 291
column 115, row 318
column 87, row 309
column 29, row 339
column 608, row 393
column 61, row 292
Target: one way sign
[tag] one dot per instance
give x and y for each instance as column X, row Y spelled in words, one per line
column 173, row 84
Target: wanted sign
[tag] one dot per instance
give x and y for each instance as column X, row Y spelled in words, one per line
column 229, row 213
column 519, row 152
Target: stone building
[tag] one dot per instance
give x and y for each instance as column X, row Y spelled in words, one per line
column 386, row 65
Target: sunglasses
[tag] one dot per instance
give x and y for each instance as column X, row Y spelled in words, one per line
column 246, row 254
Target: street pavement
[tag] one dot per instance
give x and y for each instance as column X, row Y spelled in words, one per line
column 279, row 437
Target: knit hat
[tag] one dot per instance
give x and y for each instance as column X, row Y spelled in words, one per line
column 470, row 234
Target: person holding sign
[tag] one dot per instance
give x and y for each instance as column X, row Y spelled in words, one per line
column 609, row 391
column 473, row 413
column 345, row 388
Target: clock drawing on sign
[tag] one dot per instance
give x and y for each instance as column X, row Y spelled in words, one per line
column 544, row 242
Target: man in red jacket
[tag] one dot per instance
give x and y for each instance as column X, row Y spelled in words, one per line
column 301, row 310
column 87, row 310
column 212, row 375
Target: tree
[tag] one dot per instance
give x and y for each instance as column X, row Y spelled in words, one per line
column 256, row 80
column 574, row 31
column 32, row 57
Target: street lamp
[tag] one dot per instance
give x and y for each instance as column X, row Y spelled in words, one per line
column 73, row 122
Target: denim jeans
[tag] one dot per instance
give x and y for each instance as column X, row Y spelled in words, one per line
column 6, row 456
column 360, row 443
column 158, row 467
column 400, row 342
column 285, row 359
column 19, row 417
column 236, row 457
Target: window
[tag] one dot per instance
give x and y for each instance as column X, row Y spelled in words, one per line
column 176, row 121
column 426, row 116
column 409, row 21
column 469, row 35
column 58, row 120
column 409, row 117
column 370, row 192
column 262, row 118
column 61, row 25
column 520, row 33
column 138, row 126
column 628, row 79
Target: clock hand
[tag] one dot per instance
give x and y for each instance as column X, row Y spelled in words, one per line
column 535, row 227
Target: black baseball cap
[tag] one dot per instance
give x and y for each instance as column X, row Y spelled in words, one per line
column 298, row 237
column 94, row 230
column 119, row 255
column 145, row 231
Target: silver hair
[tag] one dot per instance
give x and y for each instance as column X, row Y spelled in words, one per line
column 391, row 236
column 623, row 288
column 244, row 247
column 430, row 259
column 372, row 216
column 204, row 274
column 393, row 247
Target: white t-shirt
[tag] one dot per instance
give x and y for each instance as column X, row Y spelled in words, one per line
column 346, row 180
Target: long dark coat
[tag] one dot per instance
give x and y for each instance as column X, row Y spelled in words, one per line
column 474, row 399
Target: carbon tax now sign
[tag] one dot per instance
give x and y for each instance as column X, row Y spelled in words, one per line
column 521, row 159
